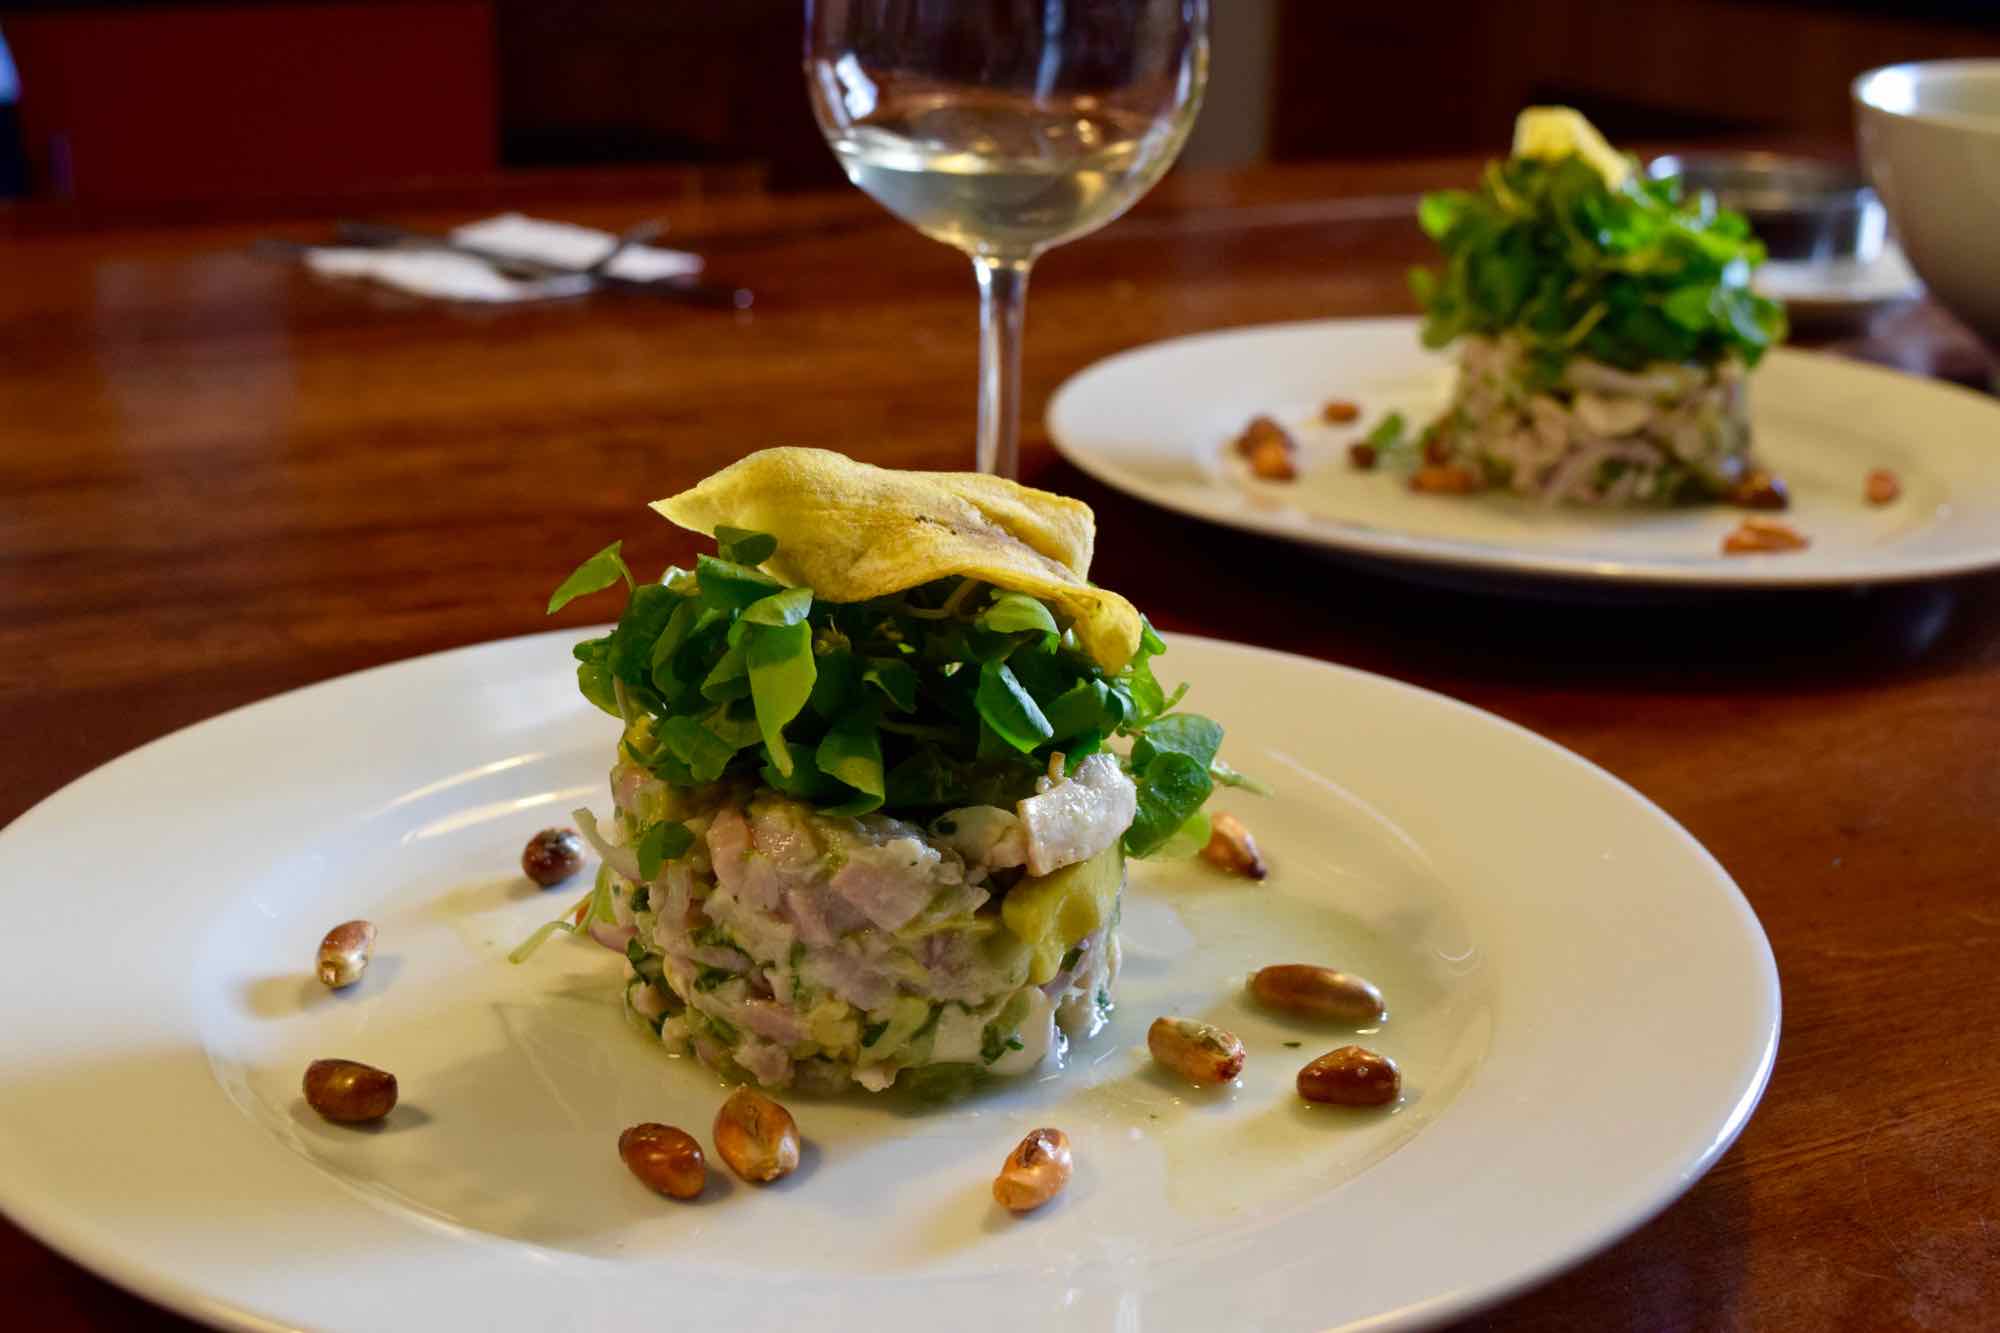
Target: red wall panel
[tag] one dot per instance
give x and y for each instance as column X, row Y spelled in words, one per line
column 220, row 102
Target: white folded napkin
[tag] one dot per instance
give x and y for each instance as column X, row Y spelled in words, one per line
column 456, row 277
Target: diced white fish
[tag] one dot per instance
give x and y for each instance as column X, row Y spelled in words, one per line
column 1037, row 1034
column 761, row 934
column 1078, row 817
column 984, row 836
column 1612, row 415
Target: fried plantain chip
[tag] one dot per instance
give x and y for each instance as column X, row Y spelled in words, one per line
column 851, row 531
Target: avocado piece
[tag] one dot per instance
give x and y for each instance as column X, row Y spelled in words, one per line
column 1049, row 915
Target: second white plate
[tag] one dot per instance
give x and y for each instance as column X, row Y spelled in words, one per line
column 1157, row 422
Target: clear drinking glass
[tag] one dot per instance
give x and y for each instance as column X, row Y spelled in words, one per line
column 1004, row 127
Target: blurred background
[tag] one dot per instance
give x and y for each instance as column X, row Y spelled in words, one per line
column 117, row 105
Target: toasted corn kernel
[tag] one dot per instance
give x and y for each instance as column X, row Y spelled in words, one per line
column 664, row 1158
column 552, row 856
column 1759, row 535
column 1444, row 479
column 1318, row 992
column 757, row 1137
column 1351, row 1076
column 348, row 1091
column 1034, row 1172
column 344, row 953
column 1230, row 847
column 1272, row 461
column 1760, row 490
column 1199, row 1052
column 1261, row 430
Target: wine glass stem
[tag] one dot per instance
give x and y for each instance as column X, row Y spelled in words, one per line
column 1003, row 290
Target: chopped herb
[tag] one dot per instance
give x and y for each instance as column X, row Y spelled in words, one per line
column 1388, row 434
column 714, row 937
column 661, row 843
column 872, row 1033
column 1294, row 1044
column 711, row 977
column 995, row 1044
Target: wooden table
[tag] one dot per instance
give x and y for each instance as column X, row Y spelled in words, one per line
column 221, row 478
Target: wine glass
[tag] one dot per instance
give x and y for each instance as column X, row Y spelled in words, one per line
column 1003, row 127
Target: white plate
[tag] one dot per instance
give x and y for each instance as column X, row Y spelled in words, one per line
column 1585, row 1008
column 1157, row 422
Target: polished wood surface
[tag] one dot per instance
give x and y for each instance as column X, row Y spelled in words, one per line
column 221, row 478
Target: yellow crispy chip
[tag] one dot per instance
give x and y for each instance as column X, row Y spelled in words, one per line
column 850, row 532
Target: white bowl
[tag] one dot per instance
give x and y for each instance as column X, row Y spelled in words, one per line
column 1930, row 137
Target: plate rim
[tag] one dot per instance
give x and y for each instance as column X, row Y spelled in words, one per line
column 71, row 1234
column 1349, row 540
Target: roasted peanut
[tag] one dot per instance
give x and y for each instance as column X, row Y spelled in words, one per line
column 1351, row 1076
column 344, row 952
column 1756, row 535
column 664, row 1158
column 1362, row 456
column 1340, row 412
column 552, row 856
column 1199, row 1052
column 1760, row 490
column 757, row 1137
column 1883, row 487
column 1318, row 992
column 1034, row 1172
column 1230, row 847
column 1444, row 479
column 349, row 1092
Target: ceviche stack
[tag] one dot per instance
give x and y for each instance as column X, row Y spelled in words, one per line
column 869, row 825
column 1605, row 328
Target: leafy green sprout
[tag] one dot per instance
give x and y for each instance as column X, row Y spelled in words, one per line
column 1626, row 274
column 953, row 693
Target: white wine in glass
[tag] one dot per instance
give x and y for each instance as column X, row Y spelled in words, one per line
column 1004, row 127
